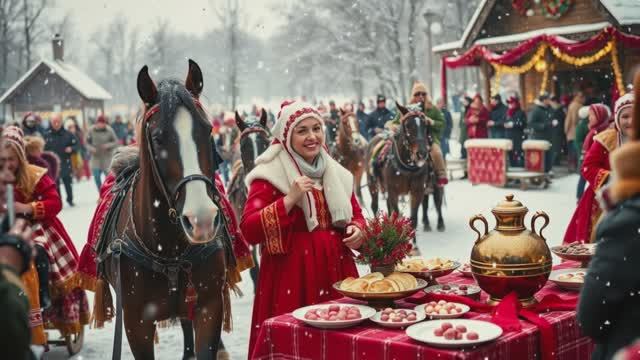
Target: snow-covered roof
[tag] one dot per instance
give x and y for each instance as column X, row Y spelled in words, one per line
column 69, row 73
column 626, row 12
column 560, row 30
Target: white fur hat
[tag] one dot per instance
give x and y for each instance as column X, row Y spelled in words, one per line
column 291, row 113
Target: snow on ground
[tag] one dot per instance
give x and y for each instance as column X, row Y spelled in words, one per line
column 462, row 201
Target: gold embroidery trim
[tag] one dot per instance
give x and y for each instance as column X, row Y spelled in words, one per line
column 271, row 228
column 323, row 216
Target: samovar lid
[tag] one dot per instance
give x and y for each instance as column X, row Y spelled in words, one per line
column 510, row 206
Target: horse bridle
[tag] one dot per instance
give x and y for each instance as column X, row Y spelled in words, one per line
column 403, row 129
column 254, row 128
column 170, row 198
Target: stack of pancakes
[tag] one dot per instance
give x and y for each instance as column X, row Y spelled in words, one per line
column 418, row 264
column 378, row 283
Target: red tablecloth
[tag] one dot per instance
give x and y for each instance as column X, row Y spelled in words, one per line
column 487, row 165
column 284, row 337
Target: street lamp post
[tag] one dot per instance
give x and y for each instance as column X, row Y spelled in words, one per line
column 430, row 19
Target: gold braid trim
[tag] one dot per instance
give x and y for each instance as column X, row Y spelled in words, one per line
column 271, row 228
column 608, row 139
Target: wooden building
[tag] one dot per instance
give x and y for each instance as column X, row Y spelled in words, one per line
column 54, row 86
column 554, row 46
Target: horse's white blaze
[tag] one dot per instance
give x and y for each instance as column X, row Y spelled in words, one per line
column 254, row 144
column 355, row 129
column 197, row 201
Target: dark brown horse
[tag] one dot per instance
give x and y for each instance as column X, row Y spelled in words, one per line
column 170, row 250
column 254, row 140
column 402, row 168
column 350, row 148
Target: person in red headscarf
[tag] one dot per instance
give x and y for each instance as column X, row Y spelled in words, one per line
column 302, row 210
column 477, row 118
column 600, row 142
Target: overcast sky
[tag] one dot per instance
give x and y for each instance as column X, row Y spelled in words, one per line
column 188, row 16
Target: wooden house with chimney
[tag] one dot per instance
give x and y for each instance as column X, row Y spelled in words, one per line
column 55, row 86
column 552, row 46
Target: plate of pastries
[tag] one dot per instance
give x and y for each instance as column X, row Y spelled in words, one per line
column 427, row 269
column 575, row 251
column 375, row 285
column 570, row 279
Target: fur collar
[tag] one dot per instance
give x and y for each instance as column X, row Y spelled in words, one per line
column 125, row 157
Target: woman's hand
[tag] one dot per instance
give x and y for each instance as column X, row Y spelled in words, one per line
column 299, row 187
column 23, row 208
column 354, row 241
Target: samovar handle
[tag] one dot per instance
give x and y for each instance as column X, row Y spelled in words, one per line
column 539, row 214
column 473, row 227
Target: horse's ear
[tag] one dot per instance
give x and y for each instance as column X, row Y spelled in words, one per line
column 194, row 82
column 403, row 110
column 146, row 87
column 240, row 123
column 263, row 118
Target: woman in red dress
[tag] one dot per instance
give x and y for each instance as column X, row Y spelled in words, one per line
column 601, row 141
column 477, row 119
column 37, row 199
column 302, row 210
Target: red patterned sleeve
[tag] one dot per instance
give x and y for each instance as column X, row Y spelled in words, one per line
column 595, row 168
column 265, row 220
column 357, row 220
column 46, row 202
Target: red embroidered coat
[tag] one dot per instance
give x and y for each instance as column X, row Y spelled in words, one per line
column 595, row 169
column 297, row 267
column 477, row 130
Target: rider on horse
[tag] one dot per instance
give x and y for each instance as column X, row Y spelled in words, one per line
column 420, row 101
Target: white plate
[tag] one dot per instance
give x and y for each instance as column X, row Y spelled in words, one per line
column 569, row 285
column 365, row 311
column 465, row 309
column 397, row 325
column 423, row 332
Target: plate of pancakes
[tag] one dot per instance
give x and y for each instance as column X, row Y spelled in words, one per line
column 428, row 269
column 377, row 286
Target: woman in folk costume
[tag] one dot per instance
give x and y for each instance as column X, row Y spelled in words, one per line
column 306, row 233
column 596, row 167
column 476, row 119
column 36, row 199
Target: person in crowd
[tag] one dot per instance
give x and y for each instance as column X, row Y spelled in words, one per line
column 31, row 125
column 306, row 233
column 540, row 127
column 15, row 259
column 608, row 310
column 363, row 119
column 516, row 122
column 101, row 141
column 379, row 117
column 37, row 199
column 131, row 138
column 331, row 122
column 497, row 117
column 121, row 129
column 79, row 156
column 448, row 127
column 582, row 129
column 34, row 148
column 600, row 142
column 558, row 139
column 227, row 144
column 64, row 144
column 462, row 126
column 420, row 101
column 570, row 124
column 476, row 119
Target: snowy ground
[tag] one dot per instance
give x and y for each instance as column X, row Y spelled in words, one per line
column 462, row 201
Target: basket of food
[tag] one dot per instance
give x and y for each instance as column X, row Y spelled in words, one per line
column 428, row 270
column 380, row 291
column 576, row 252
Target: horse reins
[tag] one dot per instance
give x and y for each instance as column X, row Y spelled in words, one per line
column 407, row 167
column 170, row 198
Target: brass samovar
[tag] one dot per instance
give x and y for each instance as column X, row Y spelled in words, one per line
column 510, row 257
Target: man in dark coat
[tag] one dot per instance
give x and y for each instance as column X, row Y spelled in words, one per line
column 332, row 122
column 448, row 127
column 31, row 125
column 379, row 117
column 497, row 118
column 120, row 128
column 558, row 137
column 609, row 306
column 62, row 143
column 363, row 119
column 516, row 122
column 540, row 126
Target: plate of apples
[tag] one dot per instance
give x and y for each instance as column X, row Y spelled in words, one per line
column 334, row 316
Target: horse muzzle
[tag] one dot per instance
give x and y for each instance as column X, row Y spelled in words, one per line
column 201, row 228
